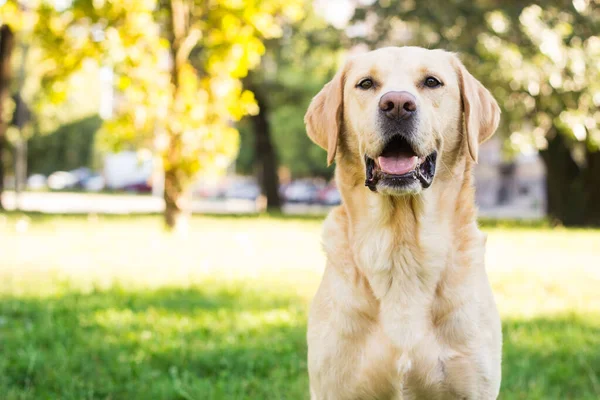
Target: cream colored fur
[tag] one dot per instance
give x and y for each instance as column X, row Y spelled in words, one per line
column 405, row 309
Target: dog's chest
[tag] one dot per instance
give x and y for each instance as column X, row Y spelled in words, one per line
column 403, row 276
column 391, row 258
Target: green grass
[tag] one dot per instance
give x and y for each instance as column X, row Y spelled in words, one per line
column 112, row 308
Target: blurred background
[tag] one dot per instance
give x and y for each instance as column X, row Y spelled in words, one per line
column 120, row 118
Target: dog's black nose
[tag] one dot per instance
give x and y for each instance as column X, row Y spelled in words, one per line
column 398, row 105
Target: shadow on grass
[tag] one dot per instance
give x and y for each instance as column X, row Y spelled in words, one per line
column 221, row 342
column 231, row 342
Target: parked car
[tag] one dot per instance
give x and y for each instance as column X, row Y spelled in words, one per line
column 138, row 187
column 127, row 171
column 209, row 188
column 94, row 183
column 242, row 189
column 81, row 176
column 61, row 180
column 329, row 195
column 302, row 191
column 36, row 182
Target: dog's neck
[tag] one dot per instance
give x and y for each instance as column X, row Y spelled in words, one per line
column 409, row 233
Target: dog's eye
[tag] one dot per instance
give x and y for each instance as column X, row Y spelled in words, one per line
column 365, row 84
column 432, row 82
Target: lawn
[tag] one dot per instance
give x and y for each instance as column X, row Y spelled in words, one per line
column 112, row 308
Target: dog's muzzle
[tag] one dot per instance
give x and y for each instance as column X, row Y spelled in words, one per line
column 399, row 167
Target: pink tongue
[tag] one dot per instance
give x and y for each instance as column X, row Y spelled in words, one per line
column 397, row 164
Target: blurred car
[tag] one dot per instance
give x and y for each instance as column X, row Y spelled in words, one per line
column 138, row 187
column 245, row 189
column 127, row 171
column 329, row 196
column 94, row 183
column 209, row 192
column 81, row 176
column 209, row 188
column 61, row 180
column 301, row 191
column 36, row 182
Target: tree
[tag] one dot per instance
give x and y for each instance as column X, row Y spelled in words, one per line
column 9, row 18
column 6, row 48
column 294, row 68
column 21, row 69
column 178, row 66
column 549, row 58
column 540, row 60
column 266, row 162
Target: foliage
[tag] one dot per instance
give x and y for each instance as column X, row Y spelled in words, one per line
column 541, row 61
column 11, row 14
column 294, row 68
column 69, row 147
column 177, row 65
column 549, row 57
column 536, row 47
column 223, row 40
column 218, row 324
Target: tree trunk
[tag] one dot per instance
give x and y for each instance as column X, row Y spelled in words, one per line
column 265, row 157
column 174, row 216
column 173, row 193
column 565, row 185
column 592, row 188
column 7, row 41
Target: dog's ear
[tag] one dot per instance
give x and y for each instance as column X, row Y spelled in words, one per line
column 481, row 111
column 325, row 115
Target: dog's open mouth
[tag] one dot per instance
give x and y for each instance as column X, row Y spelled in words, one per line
column 398, row 167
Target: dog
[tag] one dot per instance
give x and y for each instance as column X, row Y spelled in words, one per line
column 404, row 309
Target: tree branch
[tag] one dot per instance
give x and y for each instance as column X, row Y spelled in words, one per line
column 185, row 47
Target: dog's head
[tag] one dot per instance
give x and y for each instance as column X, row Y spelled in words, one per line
column 399, row 111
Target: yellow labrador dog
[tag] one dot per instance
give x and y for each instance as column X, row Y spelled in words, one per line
column 405, row 309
